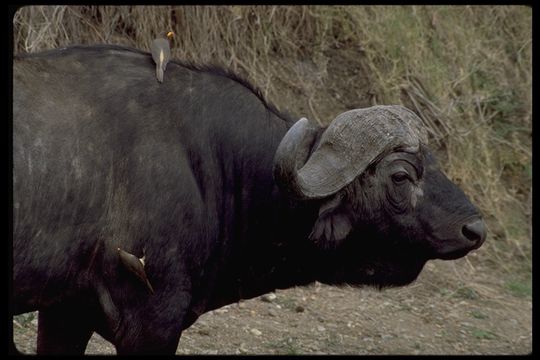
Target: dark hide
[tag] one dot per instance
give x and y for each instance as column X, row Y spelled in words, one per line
column 105, row 157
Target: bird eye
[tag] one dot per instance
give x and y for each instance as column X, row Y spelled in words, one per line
column 400, row 177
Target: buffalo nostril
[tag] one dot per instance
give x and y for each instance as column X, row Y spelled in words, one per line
column 475, row 231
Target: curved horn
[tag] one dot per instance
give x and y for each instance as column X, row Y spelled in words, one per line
column 353, row 141
column 291, row 154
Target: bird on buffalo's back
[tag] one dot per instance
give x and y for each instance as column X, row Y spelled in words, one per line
column 161, row 53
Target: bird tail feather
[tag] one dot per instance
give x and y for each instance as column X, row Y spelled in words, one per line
column 149, row 286
column 159, row 73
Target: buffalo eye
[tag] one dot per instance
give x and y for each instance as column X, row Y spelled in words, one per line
column 400, row 177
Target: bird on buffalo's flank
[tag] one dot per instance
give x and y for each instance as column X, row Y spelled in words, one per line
column 136, row 266
column 161, row 53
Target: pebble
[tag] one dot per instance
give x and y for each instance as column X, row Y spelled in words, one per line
column 268, row 297
column 256, row 332
column 299, row 309
column 243, row 348
column 204, row 332
column 272, row 312
column 386, row 337
column 320, row 328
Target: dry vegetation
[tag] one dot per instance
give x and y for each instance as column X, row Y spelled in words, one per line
column 466, row 70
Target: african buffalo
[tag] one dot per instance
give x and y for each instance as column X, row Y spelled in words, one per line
column 225, row 197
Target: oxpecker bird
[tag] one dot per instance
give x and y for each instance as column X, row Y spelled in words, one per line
column 161, row 53
column 136, row 266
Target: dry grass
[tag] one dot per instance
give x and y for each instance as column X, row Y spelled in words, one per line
column 466, row 70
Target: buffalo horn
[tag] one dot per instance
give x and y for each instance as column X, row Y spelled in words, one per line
column 292, row 153
column 353, row 140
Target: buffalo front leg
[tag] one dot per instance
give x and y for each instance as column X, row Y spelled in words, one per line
column 63, row 329
column 154, row 329
column 151, row 344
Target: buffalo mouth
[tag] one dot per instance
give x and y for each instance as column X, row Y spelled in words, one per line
column 452, row 255
column 471, row 236
column 453, row 250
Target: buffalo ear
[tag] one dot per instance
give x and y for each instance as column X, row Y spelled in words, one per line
column 333, row 224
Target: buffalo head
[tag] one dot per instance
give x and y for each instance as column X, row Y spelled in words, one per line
column 383, row 202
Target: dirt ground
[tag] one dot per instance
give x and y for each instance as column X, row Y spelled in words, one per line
column 454, row 307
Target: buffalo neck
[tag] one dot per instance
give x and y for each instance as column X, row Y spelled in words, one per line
column 266, row 237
